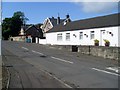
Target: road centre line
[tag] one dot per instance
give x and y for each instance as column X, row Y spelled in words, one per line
column 37, row 52
column 105, row 72
column 25, row 48
column 61, row 60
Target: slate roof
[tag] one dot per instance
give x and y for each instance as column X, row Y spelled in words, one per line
column 54, row 21
column 26, row 26
column 34, row 31
column 97, row 22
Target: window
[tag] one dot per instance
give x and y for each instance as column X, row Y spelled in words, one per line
column 59, row 37
column 67, row 36
column 81, row 35
column 92, row 34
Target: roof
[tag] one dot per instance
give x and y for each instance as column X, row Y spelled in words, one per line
column 26, row 26
column 97, row 22
column 33, row 31
column 32, row 27
column 54, row 21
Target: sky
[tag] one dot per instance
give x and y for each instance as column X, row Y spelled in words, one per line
column 37, row 12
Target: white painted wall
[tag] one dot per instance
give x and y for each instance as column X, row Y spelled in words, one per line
column 119, row 36
column 42, row 41
column 52, row 37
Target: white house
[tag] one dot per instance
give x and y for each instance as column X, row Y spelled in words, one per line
column 49, row 23
column 84, row 32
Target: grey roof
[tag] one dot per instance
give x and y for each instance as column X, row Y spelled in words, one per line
column 54, row 21
column 97, row 22
column 33, row 31
column 26, row 26
column 32, row 27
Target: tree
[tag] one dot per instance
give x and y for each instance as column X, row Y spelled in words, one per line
column 6, row 27
column 11, row 26
column 21, row 16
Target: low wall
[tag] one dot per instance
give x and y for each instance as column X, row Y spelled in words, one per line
column 101, row 51
column 106, row 52
column 42, row 41
column 18, row 38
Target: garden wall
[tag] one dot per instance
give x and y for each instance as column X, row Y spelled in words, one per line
column 101, row 51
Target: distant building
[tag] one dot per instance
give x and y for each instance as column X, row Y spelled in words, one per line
column 84, row 32
column 50, row 23
column 34, row 32
column 29, row 31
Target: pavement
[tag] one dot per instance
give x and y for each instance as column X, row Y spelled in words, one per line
column 39, row 64
column 0, row 72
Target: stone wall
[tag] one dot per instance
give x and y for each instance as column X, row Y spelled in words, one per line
column 101, row 51
column 106, row 52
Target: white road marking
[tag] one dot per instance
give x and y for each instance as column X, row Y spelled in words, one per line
column 57, row 79
column 25, row 48
column 113, row 69
column 62, row 60
column 37, row 52
column 105, row 72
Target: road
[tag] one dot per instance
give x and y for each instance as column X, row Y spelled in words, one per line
column 42, row 66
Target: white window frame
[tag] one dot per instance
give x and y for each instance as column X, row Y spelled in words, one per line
column 92, row 34
column 67, row 36
column 59, row 37
column 81, row 35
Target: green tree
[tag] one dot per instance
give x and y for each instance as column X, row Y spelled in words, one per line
column 21, row 16
column 6, row 27
column 11, row 26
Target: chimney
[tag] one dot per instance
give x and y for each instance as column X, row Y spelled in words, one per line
column 52, row 17
column 68, row 18
column 58, row 20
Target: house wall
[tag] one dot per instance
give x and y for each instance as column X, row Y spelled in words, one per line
column 119, row 36
column 100, row 35
column 47, row 25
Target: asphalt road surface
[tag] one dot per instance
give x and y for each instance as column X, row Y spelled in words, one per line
column 42, row 66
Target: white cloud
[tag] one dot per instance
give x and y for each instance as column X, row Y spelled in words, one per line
column 98, row 7
column 95, row 0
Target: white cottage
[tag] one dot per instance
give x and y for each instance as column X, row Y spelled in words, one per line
column 84, row 32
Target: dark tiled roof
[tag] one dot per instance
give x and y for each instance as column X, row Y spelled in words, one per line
column 54, row 21
column 33, row 31
column 97, row 22
column 26, row 26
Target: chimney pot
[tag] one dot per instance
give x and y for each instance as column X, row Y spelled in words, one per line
column 58, row 20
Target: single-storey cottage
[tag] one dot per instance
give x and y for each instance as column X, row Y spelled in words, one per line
column 103, row 29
